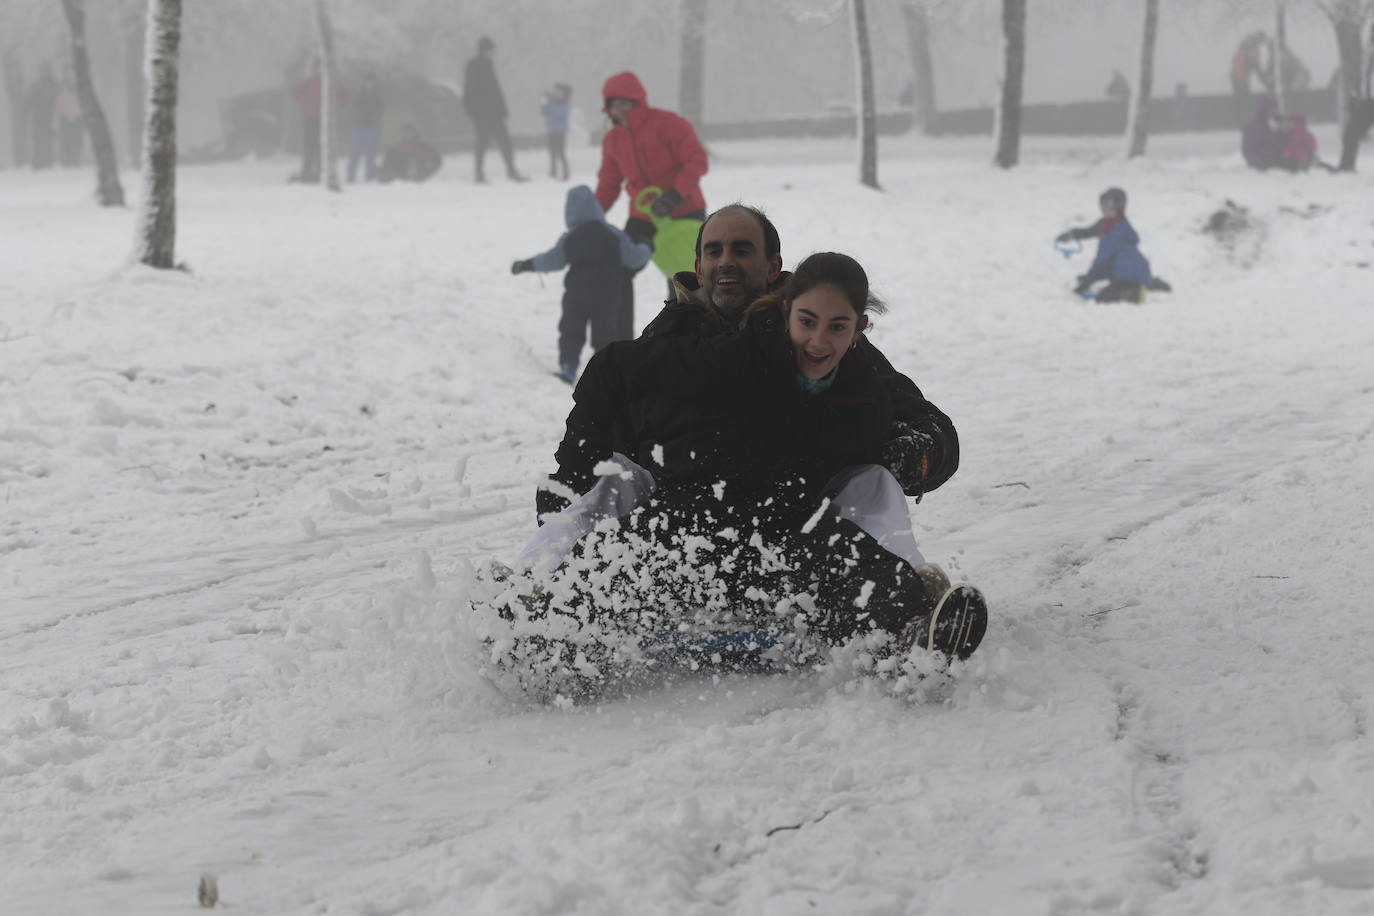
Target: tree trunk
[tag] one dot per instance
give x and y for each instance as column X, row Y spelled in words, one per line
column 1347, row 19
column 1276, row 59
column 868, row 123
column 156, row 244
column 1009, row 115
column 19, row 122
column 108, row 189
column 329, row 108
column 135, row 21
column 1136, row 125
column 922, row 63
column 692, row 78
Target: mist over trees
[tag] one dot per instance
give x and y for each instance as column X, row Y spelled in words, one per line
column 716, row 61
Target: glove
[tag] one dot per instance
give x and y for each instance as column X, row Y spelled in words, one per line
column 908, row 456
column 665, row 204
column 520, row 267
column 1063, row 237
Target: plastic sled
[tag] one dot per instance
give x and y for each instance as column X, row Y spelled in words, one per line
column 675, row 240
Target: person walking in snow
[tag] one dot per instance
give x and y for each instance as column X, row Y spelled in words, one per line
column 308, row 94
column 647, row 147
column 486, row 106
column 1118, row 259
column 1249, row 60
column 595, row 253
column 365, row 140
column 557, row 109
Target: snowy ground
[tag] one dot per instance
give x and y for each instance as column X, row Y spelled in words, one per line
column 241, row 507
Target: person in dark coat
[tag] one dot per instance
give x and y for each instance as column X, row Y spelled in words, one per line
column 308, row 95
column 742, row 521
column 1249, row 60
column 594, row 252
column 739, row 260
column 1118, row 259
column 365, row 139
column 1261, row 139
column 486, row 105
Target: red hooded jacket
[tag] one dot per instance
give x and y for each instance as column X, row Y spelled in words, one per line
column 653, row 147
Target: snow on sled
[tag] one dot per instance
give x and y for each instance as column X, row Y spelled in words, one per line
column 724, row 649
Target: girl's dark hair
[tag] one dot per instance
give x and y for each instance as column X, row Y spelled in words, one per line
column 826, row 268
column 834, row 269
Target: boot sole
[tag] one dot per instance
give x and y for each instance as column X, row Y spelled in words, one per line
column 959, row 622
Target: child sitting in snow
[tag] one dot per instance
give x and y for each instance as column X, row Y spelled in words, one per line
column 1118, row 260
column 596, row 255
column 1299, row 146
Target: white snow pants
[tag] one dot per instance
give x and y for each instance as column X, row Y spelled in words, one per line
column 865, row 494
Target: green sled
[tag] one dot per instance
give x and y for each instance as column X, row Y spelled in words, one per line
column 675, row 240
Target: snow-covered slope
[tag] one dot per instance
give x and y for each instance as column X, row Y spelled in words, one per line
column 240, row 509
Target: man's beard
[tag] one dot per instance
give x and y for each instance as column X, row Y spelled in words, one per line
column 738, row 301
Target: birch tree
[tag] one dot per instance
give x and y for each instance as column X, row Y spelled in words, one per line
column 868, row 122
column 157, row 225
column 109, row 191
column 692, row 66
column 1137, row 121
column 328, row 103
column 1014, row 67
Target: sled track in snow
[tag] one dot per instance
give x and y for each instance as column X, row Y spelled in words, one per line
column 245, row 562
column 1156, row 804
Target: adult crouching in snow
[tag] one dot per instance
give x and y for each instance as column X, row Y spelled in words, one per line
column 647, row 147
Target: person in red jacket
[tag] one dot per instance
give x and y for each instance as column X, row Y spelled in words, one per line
column 647, row 146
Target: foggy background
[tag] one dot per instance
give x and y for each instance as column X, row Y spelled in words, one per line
column 763, row 58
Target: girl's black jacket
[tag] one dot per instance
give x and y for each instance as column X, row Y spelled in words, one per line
column 728, row 418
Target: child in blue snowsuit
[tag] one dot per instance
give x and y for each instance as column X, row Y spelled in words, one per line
column 1118, row 260
column 596, row 255
column 556, row 110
